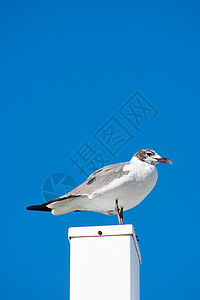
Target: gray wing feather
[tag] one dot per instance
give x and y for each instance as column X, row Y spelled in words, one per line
column 95, row 181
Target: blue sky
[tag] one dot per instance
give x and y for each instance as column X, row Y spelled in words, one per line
column 67, row 69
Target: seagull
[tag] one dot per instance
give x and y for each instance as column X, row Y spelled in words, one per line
column 111, row 189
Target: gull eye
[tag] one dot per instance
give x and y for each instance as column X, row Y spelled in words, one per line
column 149, row 153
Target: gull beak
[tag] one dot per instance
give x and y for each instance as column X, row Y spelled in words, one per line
column 164, row 160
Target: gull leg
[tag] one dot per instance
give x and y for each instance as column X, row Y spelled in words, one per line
column 121, row 216
column 117, row 210
column 119, row 213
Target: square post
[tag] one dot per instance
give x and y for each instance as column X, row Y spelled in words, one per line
column 104, row 263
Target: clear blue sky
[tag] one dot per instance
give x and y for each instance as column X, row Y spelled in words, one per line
column 67, row 70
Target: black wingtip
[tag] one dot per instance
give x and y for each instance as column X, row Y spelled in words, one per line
column 41, row 207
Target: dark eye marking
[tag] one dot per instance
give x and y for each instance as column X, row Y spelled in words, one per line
column 149, row 153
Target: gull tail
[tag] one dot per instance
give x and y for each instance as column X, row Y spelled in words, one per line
column 58, row 206
column 41, row 207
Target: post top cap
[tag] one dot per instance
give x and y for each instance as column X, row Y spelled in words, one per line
column 102, row 231
column 92, row 231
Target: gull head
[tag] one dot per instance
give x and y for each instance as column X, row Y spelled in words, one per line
column 151, row 157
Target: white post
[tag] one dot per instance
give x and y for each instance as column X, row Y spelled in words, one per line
column 104, row 263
